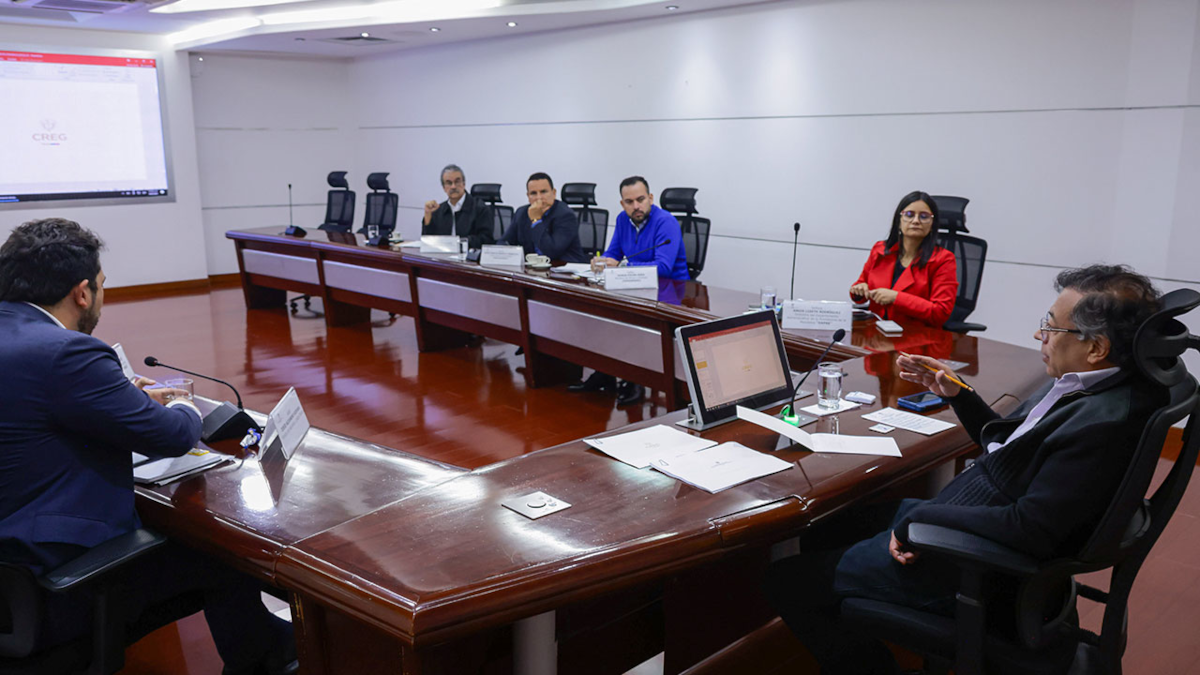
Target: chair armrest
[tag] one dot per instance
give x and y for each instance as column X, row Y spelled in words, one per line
column 100, row 560
column 971, row 549
column 963, row 327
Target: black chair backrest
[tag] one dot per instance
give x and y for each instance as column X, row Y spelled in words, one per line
column 681, row 202
column 382, row 204
column 488, row 192
column 339, row 204
column 952, row 213
column 21, row 610
column 970, row 254
column 501, row 215
column 593, row 223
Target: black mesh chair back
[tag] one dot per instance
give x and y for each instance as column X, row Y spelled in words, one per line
column 952, row 213
column 593, row 222
column 339, row 204
column 681, row 202
column 970, row 254
column 501, row 215
column 382, row 205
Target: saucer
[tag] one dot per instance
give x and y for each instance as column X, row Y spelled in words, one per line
column 540, row 267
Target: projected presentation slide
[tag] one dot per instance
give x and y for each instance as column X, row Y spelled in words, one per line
column 738, row 363
column 76, row 126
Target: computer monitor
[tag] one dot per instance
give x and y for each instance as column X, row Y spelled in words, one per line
column 735, row 361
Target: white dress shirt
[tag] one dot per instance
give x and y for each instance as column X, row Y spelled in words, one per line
column 1069, row 383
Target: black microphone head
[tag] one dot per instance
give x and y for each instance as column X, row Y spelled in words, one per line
column 839, row 334
column 150, row 361
column 796, row 227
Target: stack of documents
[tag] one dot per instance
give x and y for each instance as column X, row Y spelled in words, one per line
column 909, row 421
column 148, row 471
column 640, row 448
column 721, row 467
column 835, row 443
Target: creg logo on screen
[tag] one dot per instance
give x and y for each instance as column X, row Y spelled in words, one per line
column 49, row 136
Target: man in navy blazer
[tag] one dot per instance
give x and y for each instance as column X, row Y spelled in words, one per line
column 547, row 226
column 68, row 420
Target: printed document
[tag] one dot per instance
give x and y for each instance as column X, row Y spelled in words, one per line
column 639, row 448
column 721, row 467
column 833, row 443
column 902, row 419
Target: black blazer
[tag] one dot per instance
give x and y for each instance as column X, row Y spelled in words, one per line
column 557, row 237
column 473, row 221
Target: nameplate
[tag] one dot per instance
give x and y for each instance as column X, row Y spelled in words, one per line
column 495, row 255
column 433, row 243
column 817, row 315
column 288, row 422
column 126, row 367
column 624, row 278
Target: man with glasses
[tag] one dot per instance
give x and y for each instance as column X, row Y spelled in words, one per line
column 644, row 235
column 461, row 214
column 1046, row 476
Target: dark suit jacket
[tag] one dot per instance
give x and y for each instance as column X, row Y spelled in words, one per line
column 926, row 294
column 473, row 220
column 557, row 237
column 68, row 421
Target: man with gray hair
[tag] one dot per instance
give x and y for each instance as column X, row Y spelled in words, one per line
column 461, row 214
column 1045, row 478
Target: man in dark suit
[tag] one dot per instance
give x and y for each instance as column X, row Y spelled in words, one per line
column 547, row 226
column 68, row 421
column 461, row 214
column 1046, row 477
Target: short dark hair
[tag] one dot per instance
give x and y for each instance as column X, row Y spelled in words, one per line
column 633, row 180
column 452, row 167
column 539, row 176
column 1116, row 302
column 930, row 243
column 44, row 259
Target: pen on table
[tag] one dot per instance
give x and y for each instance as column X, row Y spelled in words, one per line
column 950, row 377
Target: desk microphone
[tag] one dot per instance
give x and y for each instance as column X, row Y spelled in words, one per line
column 291, row 231
column 795, row 244
column 224, row 421
column 664, row 242
column 789, row 413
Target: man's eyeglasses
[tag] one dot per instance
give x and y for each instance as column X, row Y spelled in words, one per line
column 1046, row 329
column 456, row 181
column 923, row 216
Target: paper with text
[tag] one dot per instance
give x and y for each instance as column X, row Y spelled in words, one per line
column 721, row 467
column 288, row 421
column 833, row 443
column 639, row 448
column 910, row 421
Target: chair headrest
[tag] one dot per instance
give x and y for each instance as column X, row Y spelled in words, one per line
column 582, row 194
column 678, row 199
column 488, row 192
column 337, row 179
column 1162, row 339
column 378, row 181
column 952, row 213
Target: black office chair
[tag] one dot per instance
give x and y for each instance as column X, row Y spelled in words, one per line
column 339, row 204
column 681, row 202
column 593, row 223
column 969, row 253
column 23, row 604
column 1042, row 636
column 501, row 214
column 382, row 205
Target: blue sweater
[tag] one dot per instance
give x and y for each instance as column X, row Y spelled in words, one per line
column 659, row 226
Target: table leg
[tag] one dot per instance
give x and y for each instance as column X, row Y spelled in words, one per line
column 535, row 650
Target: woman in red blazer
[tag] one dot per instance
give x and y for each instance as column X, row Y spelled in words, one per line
column 909, row 276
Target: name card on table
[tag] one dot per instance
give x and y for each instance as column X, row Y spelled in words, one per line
column 287, row 421
column 433, row 243
column 126, row 367
column 495, row 255
column 817, row 315
column 625, row 278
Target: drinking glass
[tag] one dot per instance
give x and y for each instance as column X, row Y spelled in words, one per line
column 767, row 297
column 184, row 384
column 829, row 389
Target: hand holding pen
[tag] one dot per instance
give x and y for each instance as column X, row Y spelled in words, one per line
column 931, row 373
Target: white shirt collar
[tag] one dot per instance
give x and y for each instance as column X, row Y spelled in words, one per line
column 1085, row 379
column 43, row 311
column 455, row 208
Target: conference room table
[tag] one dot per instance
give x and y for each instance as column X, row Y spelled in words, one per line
column 396, row 563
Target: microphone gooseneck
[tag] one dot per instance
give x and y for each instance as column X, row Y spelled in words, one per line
column 795, row 244
column 837, row 337
column 153, row 362
column 664, row 242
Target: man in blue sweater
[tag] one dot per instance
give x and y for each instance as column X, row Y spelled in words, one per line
column 645, row 235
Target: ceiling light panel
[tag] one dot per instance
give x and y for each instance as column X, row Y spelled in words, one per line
column 211, row 5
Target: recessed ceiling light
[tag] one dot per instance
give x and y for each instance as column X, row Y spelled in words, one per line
column 365, row 34
column 672, row 8
column 512, row 24
column 434, row 29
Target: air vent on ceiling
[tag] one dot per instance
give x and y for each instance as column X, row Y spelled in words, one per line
column 89, row 6
column 359, row 40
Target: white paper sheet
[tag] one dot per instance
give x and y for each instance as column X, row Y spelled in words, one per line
column 720, row 467
column 902, row 419
column 833, row 443
column 843, row 406
column 639, row 448
column 168, row 469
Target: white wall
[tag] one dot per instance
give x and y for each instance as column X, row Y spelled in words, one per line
column 147, row 243
column 1073, row 126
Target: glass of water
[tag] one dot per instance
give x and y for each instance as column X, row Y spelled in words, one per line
column 463, row 247
column 767, row 297
column 829, row 389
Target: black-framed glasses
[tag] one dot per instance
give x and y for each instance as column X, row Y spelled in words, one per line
column 1046, row 329
column 923, row 216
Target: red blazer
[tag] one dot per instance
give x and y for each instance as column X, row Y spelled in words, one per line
column 924, row 293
